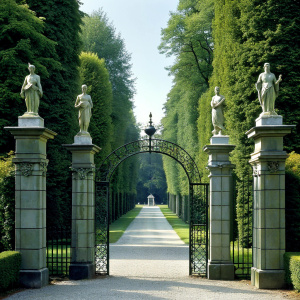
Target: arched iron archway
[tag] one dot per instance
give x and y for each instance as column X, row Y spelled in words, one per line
column 198, row 201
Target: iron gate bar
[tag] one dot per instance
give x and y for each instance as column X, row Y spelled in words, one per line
column 198, row 244
column 241, row 257
column 102, row 228
column 58, row 245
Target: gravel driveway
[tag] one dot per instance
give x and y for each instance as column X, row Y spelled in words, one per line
column 150, row 262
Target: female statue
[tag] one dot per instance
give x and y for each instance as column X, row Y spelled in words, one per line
column 217, row 103
column 85, row 104
column 267, row 88
column 32, row 91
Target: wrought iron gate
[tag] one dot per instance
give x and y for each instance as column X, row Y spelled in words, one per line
column 198, row 229
column 102, row 227
column 198, row 201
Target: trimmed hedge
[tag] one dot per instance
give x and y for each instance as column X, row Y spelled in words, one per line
column 292, row 269
column 10, row 263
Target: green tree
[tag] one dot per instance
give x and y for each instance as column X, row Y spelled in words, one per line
column 188, row 37
column 99, row 36
column 62, row 25
column 292, row 202
column 94, row 74
column 151, row 178
column 7, row 203
column 247, row 34
column 22, row 40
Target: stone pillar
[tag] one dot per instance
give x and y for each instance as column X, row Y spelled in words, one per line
column 30, row 194
column 83, row 208
column 220, row 265
column 268, row 162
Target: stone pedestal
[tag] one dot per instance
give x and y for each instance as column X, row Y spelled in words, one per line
column 83, row 209
column 220, row 266
column 268, row 162
column 30, row 216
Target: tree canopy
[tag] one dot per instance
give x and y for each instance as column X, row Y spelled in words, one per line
column 99, row 36
column 225, row 44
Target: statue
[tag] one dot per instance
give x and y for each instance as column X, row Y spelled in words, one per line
column 85, row 104
column 32, row 91
column 267, row 88
column 217, row 103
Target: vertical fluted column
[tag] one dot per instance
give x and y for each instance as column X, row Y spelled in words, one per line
column 220, row 265
column 268, row 162
column 30, row 194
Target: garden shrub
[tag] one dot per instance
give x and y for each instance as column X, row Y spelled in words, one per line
column 293, row 163
column 10, row 263
column 7, row 203
column 292, row 269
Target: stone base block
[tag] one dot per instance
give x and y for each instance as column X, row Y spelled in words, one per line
column 263, row 120
column 34, row 279
column 220, row 271
column 78, row 271
column 219, row 140
column 83, row 139
column 267, row 279
column 28, row 120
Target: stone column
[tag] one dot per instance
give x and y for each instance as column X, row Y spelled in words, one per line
column 83, row 208
column 268, row 162
column 30, row 208
column 220, row 265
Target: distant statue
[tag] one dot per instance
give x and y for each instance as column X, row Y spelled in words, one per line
column 85, row 104
column 217, row 103
column 32, row 91
column 267, row 88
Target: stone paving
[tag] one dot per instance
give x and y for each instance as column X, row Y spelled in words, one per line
column 150, row 262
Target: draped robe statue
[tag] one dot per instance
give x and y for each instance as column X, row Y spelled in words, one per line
column 267, row 88
column 32, row 91
column 217, row 103
column 85, row 105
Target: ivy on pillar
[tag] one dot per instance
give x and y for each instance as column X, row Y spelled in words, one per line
column 30, row 195
column 268, row 162
column 220, row 266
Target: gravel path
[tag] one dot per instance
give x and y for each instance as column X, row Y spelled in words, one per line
column 150, row 262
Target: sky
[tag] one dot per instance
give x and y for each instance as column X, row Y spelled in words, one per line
column 140, row 22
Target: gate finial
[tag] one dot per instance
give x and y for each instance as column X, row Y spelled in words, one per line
column 150, row 130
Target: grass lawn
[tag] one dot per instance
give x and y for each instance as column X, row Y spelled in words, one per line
column 182, row 229
column 117, row 228
column 58, row 259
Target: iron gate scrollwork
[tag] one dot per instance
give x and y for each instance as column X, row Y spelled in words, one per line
column 148, row 145
column 198, row 201
column 101, row 230
column 198, row 228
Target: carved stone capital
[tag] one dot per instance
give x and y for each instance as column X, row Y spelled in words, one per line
column 273, row 166
column 25, row 168
column 44, row 167
column 255, row 170
column 81, row 173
